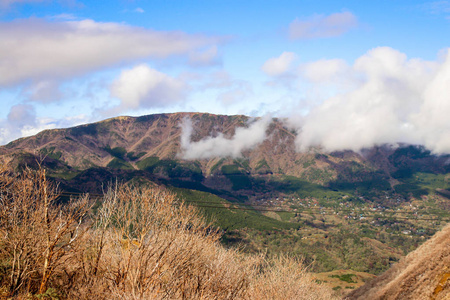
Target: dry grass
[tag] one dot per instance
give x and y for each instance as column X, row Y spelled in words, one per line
column 140, row 244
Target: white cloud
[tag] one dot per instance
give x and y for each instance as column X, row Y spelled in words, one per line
column 22, row 121
column 40, row 50
column 433, row 116
column 220, row 146
column 393, row 100
column 324, row 70
column 144, row 87
column 321, row 26
column 277, row 66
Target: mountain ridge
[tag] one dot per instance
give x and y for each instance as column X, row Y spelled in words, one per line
column 128, row 142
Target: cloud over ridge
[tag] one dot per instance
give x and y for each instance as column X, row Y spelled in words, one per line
column 245, row 138
column 392, row 100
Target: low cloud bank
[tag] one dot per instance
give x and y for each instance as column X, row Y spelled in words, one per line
column 383, row 98
column 220, row 146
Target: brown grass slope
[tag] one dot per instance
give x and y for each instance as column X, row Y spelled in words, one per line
column 422, row 274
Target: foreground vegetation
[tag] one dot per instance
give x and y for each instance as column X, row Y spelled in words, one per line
column 134, row 243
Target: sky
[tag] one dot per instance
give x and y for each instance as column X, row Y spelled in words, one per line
column 344, row 74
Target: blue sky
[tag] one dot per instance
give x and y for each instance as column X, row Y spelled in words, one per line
column 64, row 63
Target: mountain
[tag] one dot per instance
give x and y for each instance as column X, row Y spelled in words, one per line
column 422, row 274
column 153, row 143
column 128, row 142
column 341, row 210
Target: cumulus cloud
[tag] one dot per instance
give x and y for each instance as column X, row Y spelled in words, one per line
column 322, row 26
column 245, row 138
column 36, row 49
column 277, row 66
column 393, row 100
column 433, row 116
column 143, row 87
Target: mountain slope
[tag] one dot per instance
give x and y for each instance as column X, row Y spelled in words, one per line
column 134, row 142
column 422, row 274
column 152, row 147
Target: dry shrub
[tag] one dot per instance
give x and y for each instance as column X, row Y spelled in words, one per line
column 147, row 244
column 142, row 243
column 36, row 235
column 285, row 277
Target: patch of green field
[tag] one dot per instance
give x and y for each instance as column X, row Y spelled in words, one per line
column 117, row 163
column 227, row 215
column 148, row 163
column 50, row 153
column 132, row 156
column 291, row 184
column 286, row 216
column 118, row 152
column 345, row 277
column 65, row 175
column 432, row 181
column 238, row 177
column 231, row 170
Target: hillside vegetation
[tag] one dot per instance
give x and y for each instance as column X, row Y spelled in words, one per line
column 422, row 274
column 134, row 243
